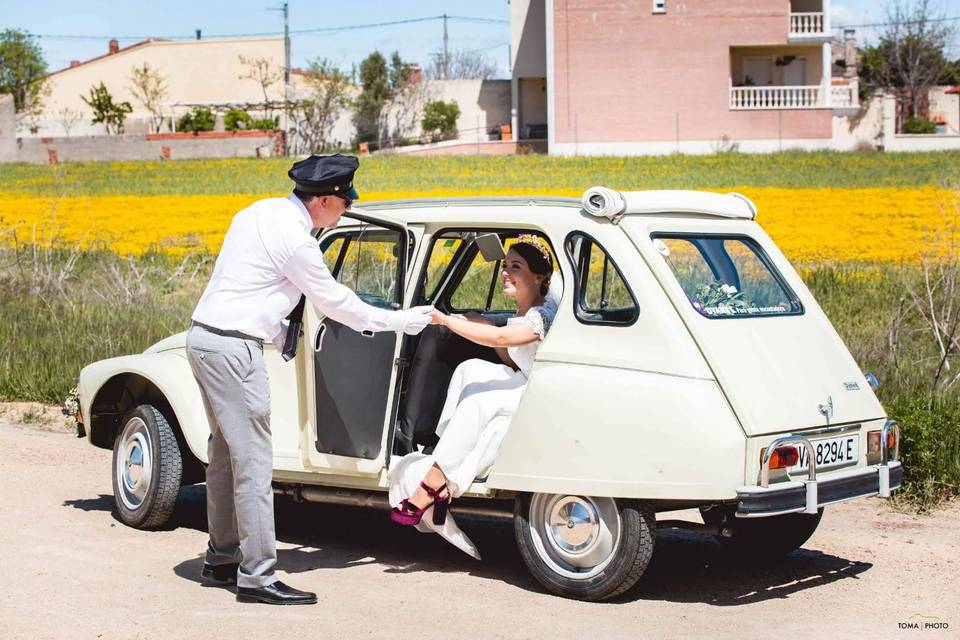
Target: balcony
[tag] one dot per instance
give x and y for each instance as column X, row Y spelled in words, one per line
column 807, row 24
column 777, row 97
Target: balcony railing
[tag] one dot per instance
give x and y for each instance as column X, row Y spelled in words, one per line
column 806, row 24
column 798, row 97
column 844, row 97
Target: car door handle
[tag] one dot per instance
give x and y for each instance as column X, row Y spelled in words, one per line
column 367, row 333
column 318, row 340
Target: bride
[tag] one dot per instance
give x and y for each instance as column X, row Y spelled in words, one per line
column 482, row 395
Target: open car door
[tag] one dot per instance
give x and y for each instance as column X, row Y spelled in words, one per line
column 351, row 375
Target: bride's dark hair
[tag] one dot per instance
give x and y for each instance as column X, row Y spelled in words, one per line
column 533, row 250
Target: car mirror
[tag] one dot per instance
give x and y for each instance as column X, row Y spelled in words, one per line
column 490, row 247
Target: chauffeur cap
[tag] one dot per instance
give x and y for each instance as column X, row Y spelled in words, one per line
column 326, row 175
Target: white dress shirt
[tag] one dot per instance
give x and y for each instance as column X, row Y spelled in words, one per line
column 267, row 259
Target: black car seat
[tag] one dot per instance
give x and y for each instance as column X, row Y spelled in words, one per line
column 431, row 368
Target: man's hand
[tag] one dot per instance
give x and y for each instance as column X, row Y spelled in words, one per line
column 416, row 319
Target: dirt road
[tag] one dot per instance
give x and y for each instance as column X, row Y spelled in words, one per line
column 73, row 571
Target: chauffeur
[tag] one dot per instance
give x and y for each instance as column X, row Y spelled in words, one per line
column 268, row 258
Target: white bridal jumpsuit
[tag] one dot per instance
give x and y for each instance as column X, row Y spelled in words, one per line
column 481, row 399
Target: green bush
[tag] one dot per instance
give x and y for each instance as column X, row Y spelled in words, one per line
column 930, row 448
column 199, row 119
column 440, row 119
column 237, row 120
column 919, row 125
column 265, row 124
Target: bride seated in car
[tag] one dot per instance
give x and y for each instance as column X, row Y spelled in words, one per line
column 482, row 395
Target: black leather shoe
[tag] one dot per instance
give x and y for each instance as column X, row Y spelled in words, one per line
column 226, row 573
column 276, row 593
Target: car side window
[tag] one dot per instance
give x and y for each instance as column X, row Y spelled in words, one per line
column 602, row 294
column 366, row 261
column 481, row 287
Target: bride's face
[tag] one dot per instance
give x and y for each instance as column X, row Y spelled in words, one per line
column 518, row 281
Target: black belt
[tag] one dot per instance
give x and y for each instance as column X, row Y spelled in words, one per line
column 228, row 333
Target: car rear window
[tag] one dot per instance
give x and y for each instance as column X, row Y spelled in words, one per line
column 726, row 276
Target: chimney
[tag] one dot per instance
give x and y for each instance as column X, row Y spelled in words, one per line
column 114, row 46
column 416, row 74
column 850, row 53
column 74, row 63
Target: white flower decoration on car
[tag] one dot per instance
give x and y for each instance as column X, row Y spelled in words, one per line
column 728, row 289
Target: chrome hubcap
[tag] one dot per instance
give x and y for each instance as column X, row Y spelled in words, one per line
column 577, row 536
column 135, row 464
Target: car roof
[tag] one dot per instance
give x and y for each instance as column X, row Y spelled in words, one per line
column 465, row 208
column 540, row 208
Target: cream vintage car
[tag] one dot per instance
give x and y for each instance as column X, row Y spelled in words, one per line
column 688, row 367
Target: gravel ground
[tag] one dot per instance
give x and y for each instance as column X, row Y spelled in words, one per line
column 74, row 571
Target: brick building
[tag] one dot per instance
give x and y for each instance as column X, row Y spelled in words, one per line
column 661, row 76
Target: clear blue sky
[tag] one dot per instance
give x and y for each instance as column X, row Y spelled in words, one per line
column 128, row 19
column 125, row 18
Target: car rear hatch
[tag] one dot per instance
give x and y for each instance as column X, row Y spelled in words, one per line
column 777, row 358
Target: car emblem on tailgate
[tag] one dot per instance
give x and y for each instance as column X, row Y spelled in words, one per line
column 826, row 410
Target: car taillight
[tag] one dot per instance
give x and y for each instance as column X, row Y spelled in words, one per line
column 873, row 441
column 782, row 457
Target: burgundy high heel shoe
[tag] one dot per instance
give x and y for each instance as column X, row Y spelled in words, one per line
column 409, row 514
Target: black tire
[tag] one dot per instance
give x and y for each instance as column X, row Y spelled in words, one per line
column 769, row 539
column 146, row 494
column 622, row 566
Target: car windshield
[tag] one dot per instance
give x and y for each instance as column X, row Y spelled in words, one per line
column 726, row 276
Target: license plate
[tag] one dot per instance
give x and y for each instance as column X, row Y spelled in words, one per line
column 830, row 452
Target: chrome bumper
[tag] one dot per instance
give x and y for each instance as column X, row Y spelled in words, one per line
column 807, row 496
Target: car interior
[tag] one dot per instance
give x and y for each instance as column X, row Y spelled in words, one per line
column 462, row 275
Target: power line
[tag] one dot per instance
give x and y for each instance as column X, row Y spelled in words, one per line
column 889, row 24
column 300, row 32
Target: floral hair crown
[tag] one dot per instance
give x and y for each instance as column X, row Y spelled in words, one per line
column 538, row 243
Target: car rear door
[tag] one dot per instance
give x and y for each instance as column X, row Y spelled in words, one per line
column 351, row 375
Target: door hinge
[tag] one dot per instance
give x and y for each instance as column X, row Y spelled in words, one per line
column 401, row 363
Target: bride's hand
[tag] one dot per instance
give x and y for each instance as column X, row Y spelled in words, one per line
column 438, row 317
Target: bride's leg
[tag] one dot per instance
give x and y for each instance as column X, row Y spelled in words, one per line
column 434, row 479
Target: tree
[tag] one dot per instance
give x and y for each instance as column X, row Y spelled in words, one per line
column 460, row 65
column 440, row 119
column 405, row 110
column 909, row 57
column 149, row 88
column 67, row 118
column 266, row 74
column 315, row 115
column 375, row 83
column 105, row 110
column 23, row 72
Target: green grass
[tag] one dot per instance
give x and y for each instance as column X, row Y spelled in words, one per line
column 484, row 173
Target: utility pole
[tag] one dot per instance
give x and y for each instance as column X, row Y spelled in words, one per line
column 446, row 58
column 287, row 88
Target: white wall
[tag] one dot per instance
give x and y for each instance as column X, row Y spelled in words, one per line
column 193, row 70
column 864, row 126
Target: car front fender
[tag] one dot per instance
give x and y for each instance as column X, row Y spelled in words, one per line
column 116, row 385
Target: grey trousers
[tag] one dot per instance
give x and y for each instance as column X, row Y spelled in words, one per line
column 236, row 395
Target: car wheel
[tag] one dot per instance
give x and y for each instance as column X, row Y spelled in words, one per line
column 584, row 547
column 147, row 468
column 771, row 538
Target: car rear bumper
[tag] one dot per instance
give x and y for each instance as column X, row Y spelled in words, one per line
column 795, row 496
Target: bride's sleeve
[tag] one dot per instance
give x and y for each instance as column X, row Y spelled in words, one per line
column 538, row 319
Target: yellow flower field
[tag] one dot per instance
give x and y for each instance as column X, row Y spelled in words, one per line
column 883, row 224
